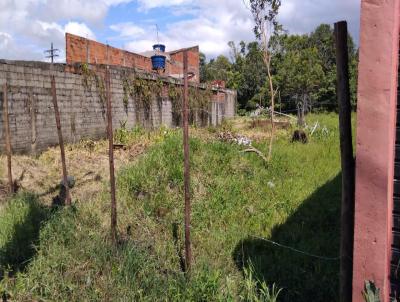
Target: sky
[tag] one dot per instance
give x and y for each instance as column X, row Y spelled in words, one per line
column 27, row 27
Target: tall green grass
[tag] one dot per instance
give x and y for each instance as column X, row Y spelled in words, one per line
column 236, row 200
column 20, row 222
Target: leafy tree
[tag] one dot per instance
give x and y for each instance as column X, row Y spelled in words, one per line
column 203, row 66
column 302, row 69
column 252, row 72
column 216, row 69
column 299, row 74
column 311, row 56
column 323, row 39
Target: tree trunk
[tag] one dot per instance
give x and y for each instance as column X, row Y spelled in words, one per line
column 267, row 61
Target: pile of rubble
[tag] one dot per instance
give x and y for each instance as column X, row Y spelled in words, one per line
column 229, row 137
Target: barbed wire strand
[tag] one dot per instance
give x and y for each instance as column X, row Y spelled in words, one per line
column 297, row 250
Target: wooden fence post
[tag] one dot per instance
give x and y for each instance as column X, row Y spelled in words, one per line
column 60, row 140
column 111, row 158
column 185, row 113
column 347, row 163
column 8, row 139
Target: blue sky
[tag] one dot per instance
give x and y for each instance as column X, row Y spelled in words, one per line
column 27, row 27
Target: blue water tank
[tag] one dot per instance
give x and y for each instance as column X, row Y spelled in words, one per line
column 159, row 47
column 158, row 62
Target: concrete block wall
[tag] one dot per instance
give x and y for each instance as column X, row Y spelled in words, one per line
column 82, row 110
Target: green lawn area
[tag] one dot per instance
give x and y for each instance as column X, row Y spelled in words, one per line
column 236, row 201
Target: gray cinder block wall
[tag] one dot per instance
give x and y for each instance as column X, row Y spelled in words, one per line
column 82, row 109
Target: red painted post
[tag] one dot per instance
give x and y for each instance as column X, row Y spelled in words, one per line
column 347, row 161
column 60, row 140
column 185, row 109
column 111, row 159
column 375, row 152
column 8, row 138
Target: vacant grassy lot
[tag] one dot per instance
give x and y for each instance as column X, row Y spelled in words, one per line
column 64, row 254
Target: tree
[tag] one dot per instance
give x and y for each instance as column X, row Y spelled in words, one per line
column 264, row 14
column 302, row 68
column 299, row 75
column 311, row 56
column 248, row 73
column 216, row 69
column 203, row 66
column 322, row 39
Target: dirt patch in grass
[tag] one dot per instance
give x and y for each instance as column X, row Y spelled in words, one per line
column 259, row 129
column 266, row 124
column 87, row 162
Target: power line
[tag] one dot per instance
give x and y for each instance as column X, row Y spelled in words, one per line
column 52, row 53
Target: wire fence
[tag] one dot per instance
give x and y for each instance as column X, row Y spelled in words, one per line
column 274, row 243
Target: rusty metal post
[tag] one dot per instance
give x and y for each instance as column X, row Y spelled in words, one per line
column 8, row 139
column 111, row 158
column 185, row 115
column 347, row 162
column 60, row 140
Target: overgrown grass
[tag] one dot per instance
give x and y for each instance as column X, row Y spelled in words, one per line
column 20, row 222
column 236, row 200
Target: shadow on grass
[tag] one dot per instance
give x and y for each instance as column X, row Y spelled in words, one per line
column 23, row 236
column 313, row 228
column 175, row 235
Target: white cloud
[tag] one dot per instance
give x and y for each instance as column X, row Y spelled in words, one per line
column 203, row 32
column 80, row 29
column 303, row 16
column 10, row 49
column 31, row 25
column 213, row 23
column 128, row 30
column 5, row 40
column 149, row 4
column 88, row 11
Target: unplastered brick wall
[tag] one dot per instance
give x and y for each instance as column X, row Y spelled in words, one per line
column 81, row 101
column 176, row 66
column 82, row 50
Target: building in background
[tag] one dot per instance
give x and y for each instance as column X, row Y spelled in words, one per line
column 80, row 88
column 82, row 50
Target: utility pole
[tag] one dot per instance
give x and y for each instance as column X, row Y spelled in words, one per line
column 347, row 161
column 52, row 53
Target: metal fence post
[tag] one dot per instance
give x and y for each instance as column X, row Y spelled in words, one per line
column 188, row 248
column 111, row 158
column 60, row 140
column 8, row 138
column 347, row 162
